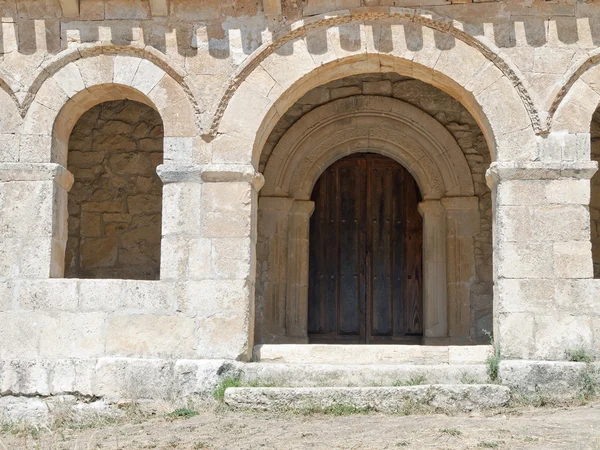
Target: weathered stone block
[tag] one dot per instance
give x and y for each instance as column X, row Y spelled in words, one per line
column 183, row 209
column 209, row 297
column 100, row 295
column 48, row 295
column 224, row 336
column 134, row 379
column 72, row 335
column 148, row 295
column 200, row 264
column 525, row 260
column 20, row 334
column 573, row 259
column 231, row 257
column 227, row 209
column 150, row 335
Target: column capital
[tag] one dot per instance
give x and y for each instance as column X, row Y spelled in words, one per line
column 210, row 173
column 274, row 204
column 36, row 172
column 534, row 170
column 431, row 207
column 460, row 203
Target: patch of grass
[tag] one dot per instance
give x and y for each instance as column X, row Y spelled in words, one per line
column 402, row 444
column 182, row 413
column 334, row 410
column 219, row 392
column 451, row 431
column 493, row 360
column 579, row 355
column 465, row 378
column 201, row 445
column 588, row 383
column 416, row 380
column 488, row 445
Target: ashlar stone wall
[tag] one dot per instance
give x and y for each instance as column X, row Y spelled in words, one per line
column 595, row 194
column 463, row 127
column 116, row 200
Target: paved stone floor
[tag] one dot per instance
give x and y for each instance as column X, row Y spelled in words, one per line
column 214, row 428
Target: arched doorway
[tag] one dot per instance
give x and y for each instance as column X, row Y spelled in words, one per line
column 365, row 257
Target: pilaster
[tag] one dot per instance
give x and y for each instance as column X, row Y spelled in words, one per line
column 33, row 217
column 541, row 244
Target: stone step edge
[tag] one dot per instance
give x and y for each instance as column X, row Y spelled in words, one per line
column 400, row 399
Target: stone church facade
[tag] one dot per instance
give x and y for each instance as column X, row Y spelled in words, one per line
column 192, row 186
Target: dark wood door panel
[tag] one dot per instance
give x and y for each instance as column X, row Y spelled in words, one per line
column 365, row 253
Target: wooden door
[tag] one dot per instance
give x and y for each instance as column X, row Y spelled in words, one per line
column 365, row 283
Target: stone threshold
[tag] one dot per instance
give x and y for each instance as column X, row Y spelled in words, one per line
column 371, row 354
column 448, row 397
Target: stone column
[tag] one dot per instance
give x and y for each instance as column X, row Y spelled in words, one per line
column 435, row 308
column 297, row 271
column 209, row 241
column 33, row 216
column 272, row 261
column 462, row 224
column 543, row 303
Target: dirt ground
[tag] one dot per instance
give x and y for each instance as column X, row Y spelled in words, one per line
column 570, row 428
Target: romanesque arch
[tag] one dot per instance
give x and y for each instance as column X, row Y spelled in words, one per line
column 264, row 89
column 578, row 98
column 80, row 85
column 361, row 124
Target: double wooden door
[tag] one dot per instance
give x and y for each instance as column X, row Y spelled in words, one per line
column 365, row 278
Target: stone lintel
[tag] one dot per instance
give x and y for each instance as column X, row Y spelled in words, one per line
column 36, row 172
column 210, row 173
column 283, row 204
column 460, row 203
column 533, row 170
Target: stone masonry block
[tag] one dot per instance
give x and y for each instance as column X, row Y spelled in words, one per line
column 72, row 335
column 227, row 209
column 209, row 297
column 224, row 336
column 26, row 377
column 53, row 294
column 200, row 259
column 516, row 335
column 20, row 334
column 174, row 256
column 182, row 208
column 100, row 295
column 148, row 295
column 135, row 379
column 573, row 259
column 72, row 375
column 145, row 335
column 557, row 334
column 27, row 209
column 530, row 260
column 231, row 258
column 525, row 296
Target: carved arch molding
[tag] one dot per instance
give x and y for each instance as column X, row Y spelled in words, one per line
column 449, row 208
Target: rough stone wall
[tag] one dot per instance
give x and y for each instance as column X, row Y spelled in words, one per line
column 457, row 120
column 116, row 200
column 595, row 194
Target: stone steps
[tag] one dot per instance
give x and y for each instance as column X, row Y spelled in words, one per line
column 357, row 375
column 371, row 354
column 343, row 400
